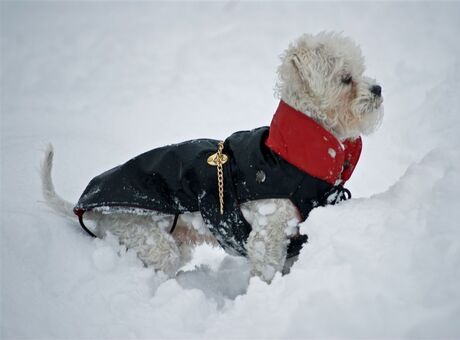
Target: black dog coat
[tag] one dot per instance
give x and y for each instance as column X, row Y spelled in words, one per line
column 177, row 178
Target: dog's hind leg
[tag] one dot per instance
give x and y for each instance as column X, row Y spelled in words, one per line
column 148, row 236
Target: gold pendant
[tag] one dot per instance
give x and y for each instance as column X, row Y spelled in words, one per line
column 216, row 159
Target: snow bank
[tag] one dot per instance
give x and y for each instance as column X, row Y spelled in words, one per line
column 382, row 267
column 385, row 266
column 105, row 82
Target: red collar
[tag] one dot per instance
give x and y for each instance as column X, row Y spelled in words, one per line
column 304, row 143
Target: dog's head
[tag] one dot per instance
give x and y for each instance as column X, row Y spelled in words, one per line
column 322, row 76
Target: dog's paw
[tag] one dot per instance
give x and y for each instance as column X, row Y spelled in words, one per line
column 266, row 273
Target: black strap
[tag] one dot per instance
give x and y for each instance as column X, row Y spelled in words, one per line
column 80, row 213
column 295, row 245
column 336, row 195
column 176, row 216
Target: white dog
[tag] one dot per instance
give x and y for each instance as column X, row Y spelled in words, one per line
column 326, row 104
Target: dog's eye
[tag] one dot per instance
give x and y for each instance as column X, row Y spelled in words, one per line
column 347, row 80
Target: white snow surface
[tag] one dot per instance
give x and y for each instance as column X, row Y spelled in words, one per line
column 105, row 81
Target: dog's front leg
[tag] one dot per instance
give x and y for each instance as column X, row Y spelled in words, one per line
column 267, row 251
column 273, row 221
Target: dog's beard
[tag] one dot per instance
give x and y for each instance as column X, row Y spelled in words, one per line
column 368, row 110
column 371, row 121
column 362, row 118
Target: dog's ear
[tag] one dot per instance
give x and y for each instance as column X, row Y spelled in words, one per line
column 301, row 71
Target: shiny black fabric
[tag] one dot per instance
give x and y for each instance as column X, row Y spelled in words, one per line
column 175, row 179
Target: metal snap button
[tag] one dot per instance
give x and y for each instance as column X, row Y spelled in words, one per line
column 260, row 176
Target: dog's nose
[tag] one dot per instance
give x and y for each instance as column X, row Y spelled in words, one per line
column 377, row 90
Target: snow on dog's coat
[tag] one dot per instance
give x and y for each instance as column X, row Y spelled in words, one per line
column 320, row 76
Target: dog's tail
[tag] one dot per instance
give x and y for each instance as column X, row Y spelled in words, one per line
column 52, row 199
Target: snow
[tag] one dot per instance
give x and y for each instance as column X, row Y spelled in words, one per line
column 331, row 152
column 105, row 81
column 267, row 208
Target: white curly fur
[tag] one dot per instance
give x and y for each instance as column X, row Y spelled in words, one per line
column 310, row 79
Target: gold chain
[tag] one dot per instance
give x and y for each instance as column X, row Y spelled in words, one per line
column 218, row 159
column 220, row 177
